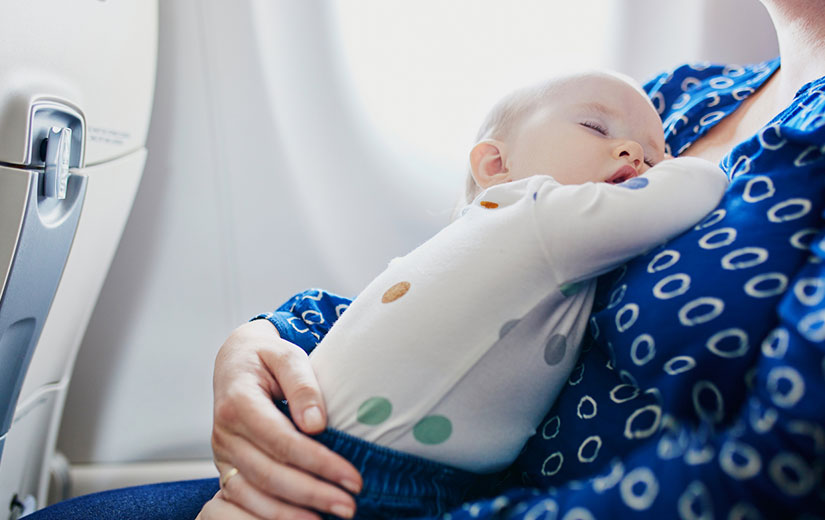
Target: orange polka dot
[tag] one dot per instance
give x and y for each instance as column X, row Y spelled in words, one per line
column 489, row 205
column 396, row 291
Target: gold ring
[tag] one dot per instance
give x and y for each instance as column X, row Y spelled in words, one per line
column 229, row 474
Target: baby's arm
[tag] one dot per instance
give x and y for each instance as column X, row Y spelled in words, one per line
column 591, row 228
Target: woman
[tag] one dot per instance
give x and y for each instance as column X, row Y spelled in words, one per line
column 699, row 394
column 700, row 450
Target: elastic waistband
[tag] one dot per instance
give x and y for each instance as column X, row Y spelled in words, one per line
column 397, row 477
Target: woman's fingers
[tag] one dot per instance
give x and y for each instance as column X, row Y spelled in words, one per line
column 239, row 491
column 249, row 433
column 250, row 415
column 300, row 387
column 220, row 508
column 281, row 481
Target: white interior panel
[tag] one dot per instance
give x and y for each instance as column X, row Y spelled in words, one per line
column 223, row 224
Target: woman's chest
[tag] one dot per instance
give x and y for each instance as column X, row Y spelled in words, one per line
column 751, row 116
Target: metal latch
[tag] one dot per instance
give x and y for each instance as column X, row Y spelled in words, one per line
column 58, row 153
column 55, row 143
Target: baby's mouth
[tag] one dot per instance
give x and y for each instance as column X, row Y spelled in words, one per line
column 622, row 174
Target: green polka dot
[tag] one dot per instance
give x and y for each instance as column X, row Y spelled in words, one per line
column 374, row 410
column 572, row 288
column 507, row 327
column 433, row 429
column 554, row 350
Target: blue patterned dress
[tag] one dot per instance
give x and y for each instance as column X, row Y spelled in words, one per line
column 698, row 394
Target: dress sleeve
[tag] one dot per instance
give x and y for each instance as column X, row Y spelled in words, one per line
column 591, row 228
column 306, row 318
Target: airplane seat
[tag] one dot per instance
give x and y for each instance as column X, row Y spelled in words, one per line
column 74, row 114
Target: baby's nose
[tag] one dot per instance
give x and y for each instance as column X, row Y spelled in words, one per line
column 632, row 152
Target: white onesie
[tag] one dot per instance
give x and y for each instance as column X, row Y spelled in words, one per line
column 457, row 350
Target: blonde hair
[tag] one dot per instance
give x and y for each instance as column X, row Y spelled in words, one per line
column 509, row 111
column 503, row 119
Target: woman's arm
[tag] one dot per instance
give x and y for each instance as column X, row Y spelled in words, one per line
column 767, row 464
column 281, row 472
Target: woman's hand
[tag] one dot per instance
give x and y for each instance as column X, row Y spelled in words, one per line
column 281, row 473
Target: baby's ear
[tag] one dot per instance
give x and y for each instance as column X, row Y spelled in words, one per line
column 488, row 163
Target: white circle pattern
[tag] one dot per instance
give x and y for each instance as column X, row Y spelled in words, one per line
column 641, row 433
column 700, row 455
column 616, row 398
column 809, row 291
column 640, row 501
column 716, row 307
column 670, row 258
column 757, row 256
column 713, row 218
column 627, row 316
column 803, row 206
column 551, row 468
column 812, row 326
column 721, row 83
column 715, row 99
column 711, row 118
column 587, row 414
column 312, row 317
column 775, row 343
column 733, row 450
column 681, row 278
column 808, row 156
column 546, row 509
column 679, row 364
column 551, row 428
column 742, row 93
column 763, row 420
column 787, row 394
column 578, row 513
column 710, row 240
column 605, row 482
column 741, row 166
column 594, row 440
column 696, row 497
column 777, row 140
column 752, row 286
column 767, row 189
column 616, row 296
column 740, row 336
column 744, row 511
column 788, row 463
column 801, row 239
column 646, row 344
column 717, row 411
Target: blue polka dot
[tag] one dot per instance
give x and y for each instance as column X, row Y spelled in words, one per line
column 636, row 183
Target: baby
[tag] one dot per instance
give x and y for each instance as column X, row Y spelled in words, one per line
column 450, row 358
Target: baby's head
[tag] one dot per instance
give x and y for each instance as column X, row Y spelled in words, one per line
column 587, row 127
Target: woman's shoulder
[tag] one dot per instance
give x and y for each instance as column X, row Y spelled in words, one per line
column 691, row 98
column 692, row 77
column 805, row 116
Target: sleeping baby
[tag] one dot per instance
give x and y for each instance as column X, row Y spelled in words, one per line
column 445, row 364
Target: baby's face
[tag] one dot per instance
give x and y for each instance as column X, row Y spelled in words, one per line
column 596, row 129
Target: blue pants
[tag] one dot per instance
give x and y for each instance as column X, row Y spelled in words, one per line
column 167, row 501
column 399, row 485
column 396, row 485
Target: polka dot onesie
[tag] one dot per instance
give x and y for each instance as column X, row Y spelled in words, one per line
column 455, row 352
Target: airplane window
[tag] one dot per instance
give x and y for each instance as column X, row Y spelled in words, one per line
column 426, row 72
